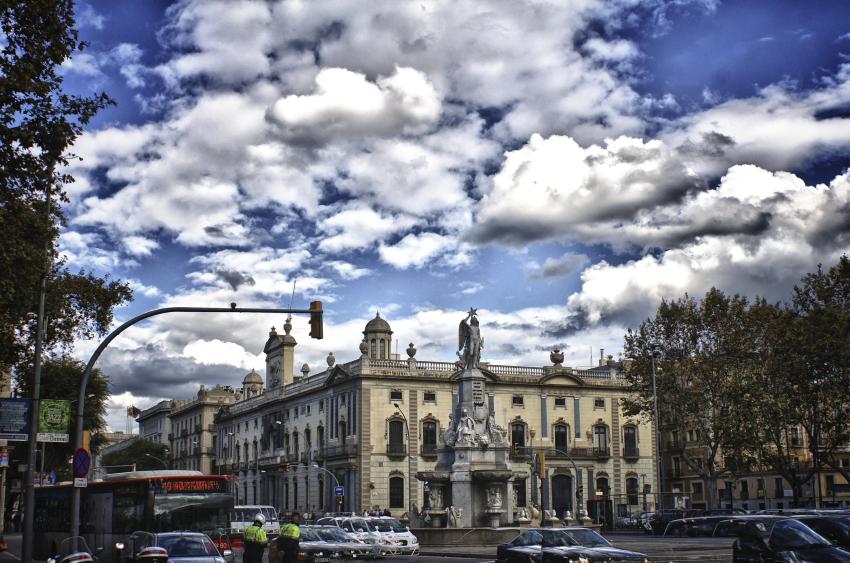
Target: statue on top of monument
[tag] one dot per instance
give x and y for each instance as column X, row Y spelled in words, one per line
column 470, row 342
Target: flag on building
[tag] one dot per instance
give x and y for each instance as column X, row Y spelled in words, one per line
column 133, row 412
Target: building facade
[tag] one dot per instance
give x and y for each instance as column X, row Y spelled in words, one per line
column 370, row 424
column 155, row 423
column 193, row 437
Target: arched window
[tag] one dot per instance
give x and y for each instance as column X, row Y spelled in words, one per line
column 320, row 436
column 518, row 434
column 383, row 349
column 286, row 443
column 307, row 439
column 562, row 437
column 237, row 453
column 602, row 485
column 373, row 349
column 429, row 437
column 247, row 452
column 600, row 437
column 632, row 490
column 255, row 450
column 395, row 445
column 396, row 492
column 295, row 443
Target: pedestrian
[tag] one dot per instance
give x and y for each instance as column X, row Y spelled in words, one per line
column 387, row 512
column 255, row 540
column 289, row 539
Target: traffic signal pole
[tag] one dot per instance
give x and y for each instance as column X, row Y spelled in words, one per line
column 316, row 320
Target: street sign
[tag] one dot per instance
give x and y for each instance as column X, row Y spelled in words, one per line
column 15, row 419
column 4, row 458
column 339, row 491
column 54, row 420
column 82, row 464
column 81, row 482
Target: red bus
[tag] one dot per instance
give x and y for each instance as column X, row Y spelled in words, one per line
column 122, row 503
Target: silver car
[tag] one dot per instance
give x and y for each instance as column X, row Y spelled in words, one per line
column 189, row 547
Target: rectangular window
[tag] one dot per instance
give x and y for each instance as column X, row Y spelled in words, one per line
column 429, row 397
column 830, row 485
column 778, row 488
column 517, row 401
column 599, row 403
column 560, row 402
column 396, row 396
column 696, row 490
column 795, row 436
column 745, row 490
column 519, row 489
column 677, row 467
column 321, row 405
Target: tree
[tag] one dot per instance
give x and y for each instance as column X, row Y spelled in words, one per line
column 142, row 453
column 39, row 122
column 61, row 380
column 705, row 350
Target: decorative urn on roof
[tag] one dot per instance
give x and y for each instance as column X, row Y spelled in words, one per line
column 557, row 357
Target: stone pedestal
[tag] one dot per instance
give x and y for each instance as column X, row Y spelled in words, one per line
column 494, row 517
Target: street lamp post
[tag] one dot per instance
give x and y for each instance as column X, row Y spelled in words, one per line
column 409, row 462
column 78, row 433
column 314, row 466
column 656, row 353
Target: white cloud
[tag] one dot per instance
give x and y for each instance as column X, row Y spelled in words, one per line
column 553, row 187
column 348, row 271
column 415, row 251
column 359, row 227
column 141, row 288
column 218, row 352
column 347, row 104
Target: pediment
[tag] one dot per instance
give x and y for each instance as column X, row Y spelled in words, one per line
column 563, row 378
column 337, row 373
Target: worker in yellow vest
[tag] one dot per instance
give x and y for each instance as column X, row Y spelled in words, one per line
column 255, row 541
column 288, row 542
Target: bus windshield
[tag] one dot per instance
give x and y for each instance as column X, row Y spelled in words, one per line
column 191, row 511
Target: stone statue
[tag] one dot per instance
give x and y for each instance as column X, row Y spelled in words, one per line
column 435, row 498
column 516, row 498
column 470, row 342
column 450, row 435
column 458, row 517
column 494, row 498
column 496, row 433
column 466, row 428
column 451, row 521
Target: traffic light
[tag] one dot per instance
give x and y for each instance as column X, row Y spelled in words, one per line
column 316, row 313
column 541, row 465
column 579, row 491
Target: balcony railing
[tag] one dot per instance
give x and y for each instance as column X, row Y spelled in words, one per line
column 345, row 450
column 396, row 449
column 591, row 453
column 631, row 452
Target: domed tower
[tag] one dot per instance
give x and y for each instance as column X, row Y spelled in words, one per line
column 252, row 385
column 378, row 337
column 280, row 356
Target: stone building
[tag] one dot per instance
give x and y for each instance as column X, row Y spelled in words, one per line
column 155, row 423
column 192, row 440
column 372, row 423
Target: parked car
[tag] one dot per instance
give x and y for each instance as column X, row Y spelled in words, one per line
column 391, row 529
column 560, row 545
column 358, row 528
column 180, row 547
column 778, row 538
column 322, row 543
column 833, row 526
column 700, row 526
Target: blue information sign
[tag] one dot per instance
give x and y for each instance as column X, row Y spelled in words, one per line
column 15, row 419
column 339, row 491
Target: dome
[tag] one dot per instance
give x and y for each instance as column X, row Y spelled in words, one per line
column 252, row 377
column 377, row 325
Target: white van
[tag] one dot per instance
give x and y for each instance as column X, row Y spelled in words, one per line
column 243, row 516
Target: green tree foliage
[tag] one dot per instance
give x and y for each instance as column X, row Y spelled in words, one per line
column 705, row 350
column 60, row 379
column 143, row 453
column 39, row 123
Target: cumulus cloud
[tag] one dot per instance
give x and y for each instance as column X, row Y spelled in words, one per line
column 359, row 227
column 562, row 266
column 348, row 271
column 805, row 225
column 415, row 251
column 553, row 187
column 347, row 104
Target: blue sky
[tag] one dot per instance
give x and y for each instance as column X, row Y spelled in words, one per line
column 561, row 168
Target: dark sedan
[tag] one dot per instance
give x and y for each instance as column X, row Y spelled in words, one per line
column 700, row 526
column 834, row 527
column 559, row 545
column 778, row 538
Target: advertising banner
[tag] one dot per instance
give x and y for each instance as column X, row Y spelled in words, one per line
column 15, row 419
column 54, row 420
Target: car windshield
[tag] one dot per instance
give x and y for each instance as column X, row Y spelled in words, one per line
column 334, row 535
column 187, row 546
column 556, row 538
column 73, row 544
column 310, row 534
column 360, row 526
column 793, row 534
column 587, row 538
